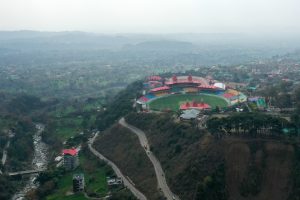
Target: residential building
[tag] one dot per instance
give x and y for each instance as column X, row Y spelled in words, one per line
column 78, row 182
column 70, row 158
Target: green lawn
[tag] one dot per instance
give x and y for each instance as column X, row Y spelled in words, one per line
column 173, row 102
column 65, row 185
column 92, row 106
column 63, row 111
column 70, row 197
column 67, row 127
column 95, row 180
column 66, row 132
column 68, row 122
column 95, row 176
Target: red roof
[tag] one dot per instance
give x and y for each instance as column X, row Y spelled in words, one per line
column 185, row 79
column 174, row 78
column 143, row 98
column 194, row 105
column 228, row 95
column 160, row 89
column 71, row 152
column 154, row 78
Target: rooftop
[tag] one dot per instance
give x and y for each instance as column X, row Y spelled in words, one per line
column 154, row 78
column 160, row 89
column 190, row 114
column 186, row 79
column 71, row 152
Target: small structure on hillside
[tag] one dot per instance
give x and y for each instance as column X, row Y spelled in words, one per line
column 78, row 182
column 70, row 157
column 114, row 181
column 260, row 102
column 190, row 114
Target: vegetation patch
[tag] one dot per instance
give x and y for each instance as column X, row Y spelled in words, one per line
column 57, row 183
column 252, row 183
column 295, row 175
column 122, row 147
column 213, row 187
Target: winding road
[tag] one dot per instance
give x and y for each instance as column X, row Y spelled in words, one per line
column 118, row 172
column 4, row 155
column 160, row 175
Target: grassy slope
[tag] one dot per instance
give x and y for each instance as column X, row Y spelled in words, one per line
column 173, row 101
column 123, row 148
column 67, row 122
column 95, row 179
column 71, row 197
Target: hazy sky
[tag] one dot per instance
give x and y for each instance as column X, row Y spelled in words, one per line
column 151, row 16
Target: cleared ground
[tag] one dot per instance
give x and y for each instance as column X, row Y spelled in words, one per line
column 173, row 102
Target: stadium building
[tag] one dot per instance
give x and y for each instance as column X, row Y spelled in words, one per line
column 156, row 87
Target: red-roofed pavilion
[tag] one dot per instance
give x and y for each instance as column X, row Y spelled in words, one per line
column 194, row 105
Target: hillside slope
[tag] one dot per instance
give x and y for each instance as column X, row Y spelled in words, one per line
column 200, row 166
column 122, row 147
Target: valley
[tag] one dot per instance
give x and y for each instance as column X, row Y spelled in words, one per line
column 136, row 123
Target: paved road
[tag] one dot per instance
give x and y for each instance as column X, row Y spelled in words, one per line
column 4, row 155
column 160, row 175
column 118, row 172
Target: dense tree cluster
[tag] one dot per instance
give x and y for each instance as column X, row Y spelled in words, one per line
column 180, row 134
column 295, row 193
column 7, row 188
column 21, row 149
column 24, row 104
column 213, row 187
column 119, row 106
column 253, row 124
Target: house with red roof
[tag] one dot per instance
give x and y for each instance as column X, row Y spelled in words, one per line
column 70, row 157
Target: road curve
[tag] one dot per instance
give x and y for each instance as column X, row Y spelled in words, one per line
column 4, row 155
column 160, row 175
column 118, row 172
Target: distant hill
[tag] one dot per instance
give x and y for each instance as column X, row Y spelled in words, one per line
column 60, row 40
column 162, row 45
column 33, row 47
